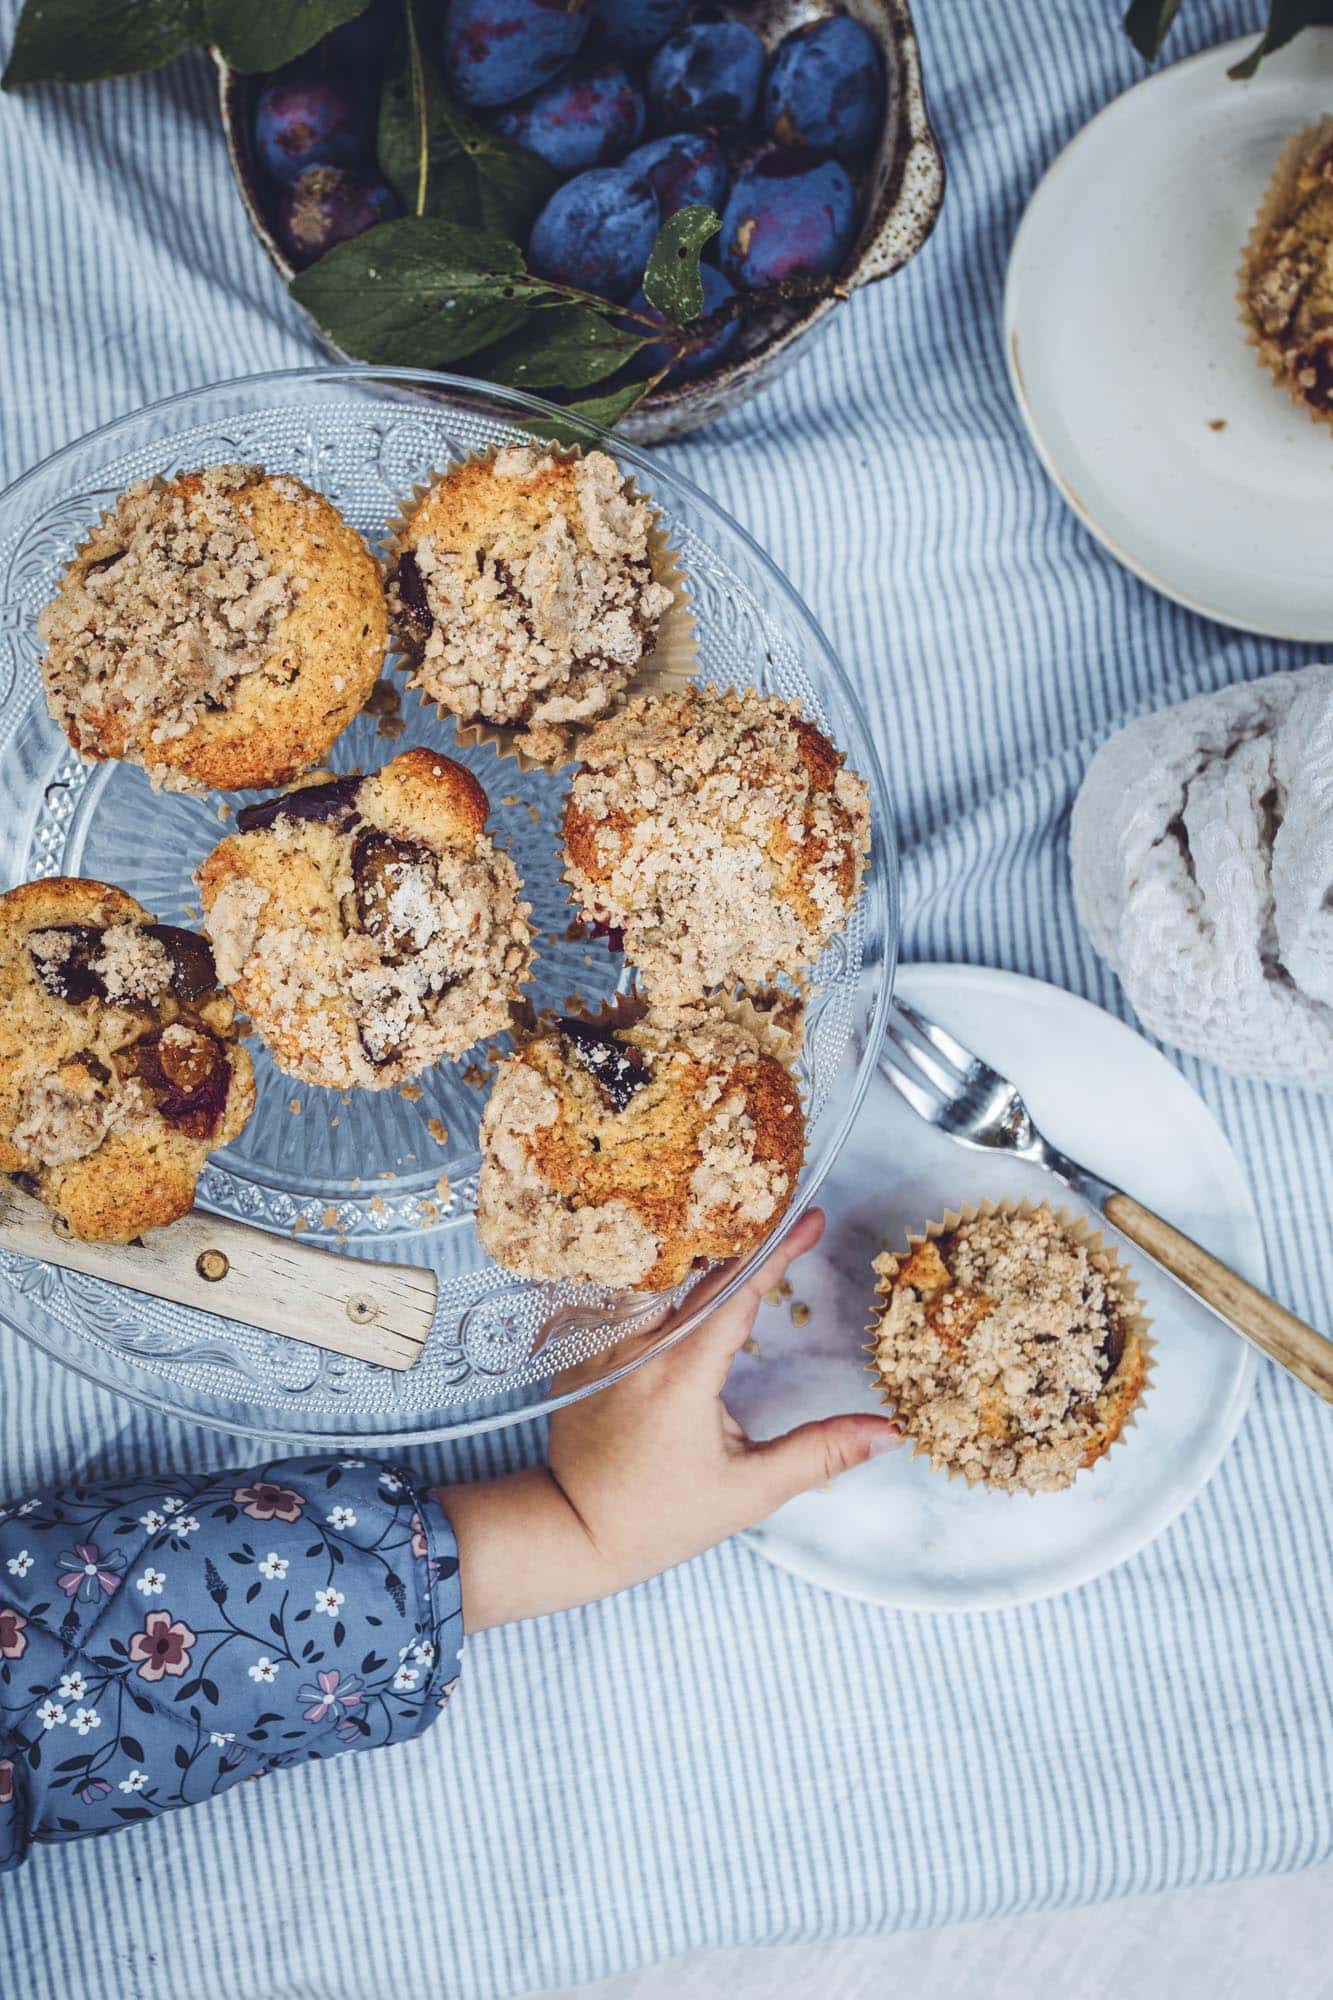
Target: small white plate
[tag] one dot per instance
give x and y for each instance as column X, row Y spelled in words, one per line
column 1128, row 359
column 897, row 1533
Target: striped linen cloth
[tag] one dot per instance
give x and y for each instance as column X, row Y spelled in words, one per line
column 726, row 1755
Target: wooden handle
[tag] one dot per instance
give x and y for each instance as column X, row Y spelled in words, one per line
column 375, row 1312
column 1285, row 1339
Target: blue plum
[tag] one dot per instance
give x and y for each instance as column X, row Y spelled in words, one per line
column 790, row 215
column 707, row 77
column 585, row 118
column 496, row 50
column 683, row 169
column 694, row 359
column 596, row 232
column 305, row 122
column 326, row 205
column 825, row 88
column 637, row 25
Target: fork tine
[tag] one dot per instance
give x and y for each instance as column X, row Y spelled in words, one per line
column 925, row 1060
column 939, row 1038
column 924, row 1102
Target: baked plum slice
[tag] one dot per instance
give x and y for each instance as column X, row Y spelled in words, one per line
column 187, row 1074
column 333, row 802
column 618, row 1068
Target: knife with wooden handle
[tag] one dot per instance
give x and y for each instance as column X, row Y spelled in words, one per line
column 373, row 1312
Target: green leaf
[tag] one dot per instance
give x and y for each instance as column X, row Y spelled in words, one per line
column 672, row 282
column 439, row 162
column 1148, row 23
column 418, row 292
column 561, row 347
column 77, row 41
column 265, row 34
column 605, row 410
column 1286, row 18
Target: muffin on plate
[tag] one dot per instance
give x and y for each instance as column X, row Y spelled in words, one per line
column 623, row 1152
column 1011, row 1345
column 367, row 925
column 524, row 592
column 119, row 1067
column 720, row 833
column 220, row 629
column 1286, row 278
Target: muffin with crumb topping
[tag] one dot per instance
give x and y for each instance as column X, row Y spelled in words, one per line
column 523, row 592
column 720, row 833
column 220, row 629
column 119, row 1066
column 1011, row 1345
column 1286, row 283
column 367, row 925
column 623, row 1154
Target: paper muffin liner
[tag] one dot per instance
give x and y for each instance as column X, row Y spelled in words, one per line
column 1274, row 210
column 671, row 664
column 1078, row 1227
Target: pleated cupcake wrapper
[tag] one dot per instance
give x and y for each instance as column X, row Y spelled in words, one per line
column 1274, row 210
column 1081, row 1230
column 671, row 664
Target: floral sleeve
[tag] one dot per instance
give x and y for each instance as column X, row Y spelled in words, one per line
column 162, row 1640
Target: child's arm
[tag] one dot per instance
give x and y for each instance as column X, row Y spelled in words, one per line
column 164, row 1639
column 645, row 1473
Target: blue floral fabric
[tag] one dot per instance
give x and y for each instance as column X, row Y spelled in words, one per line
column 163, row 1640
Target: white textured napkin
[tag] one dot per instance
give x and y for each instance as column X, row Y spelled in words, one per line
column 1202, row 850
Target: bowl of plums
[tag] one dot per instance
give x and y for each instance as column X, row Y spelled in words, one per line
column 639, row 209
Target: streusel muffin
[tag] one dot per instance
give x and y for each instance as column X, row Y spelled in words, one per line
column 220, row 628
column 523, row 593
column 368, row 926
column 1286, row 281
column 1011, row 1345
column 119, row 1067
column 623, row 1153
column 720, row 833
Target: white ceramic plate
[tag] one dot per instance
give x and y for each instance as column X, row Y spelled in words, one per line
column 897, row 1533
column 1128, row 360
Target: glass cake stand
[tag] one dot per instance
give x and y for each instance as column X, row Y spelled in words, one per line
column 385, row 1174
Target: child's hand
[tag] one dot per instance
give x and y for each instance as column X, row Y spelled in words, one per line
column 645, row 1473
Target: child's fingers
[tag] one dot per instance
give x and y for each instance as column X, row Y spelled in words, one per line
column 719, row 1337
column 813, row 1454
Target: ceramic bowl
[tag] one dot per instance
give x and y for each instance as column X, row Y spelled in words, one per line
column 904, row 194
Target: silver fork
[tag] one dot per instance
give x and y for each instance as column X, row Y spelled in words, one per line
column 954, row 1090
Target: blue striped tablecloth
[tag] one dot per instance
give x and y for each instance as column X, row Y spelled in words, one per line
column 725, row 1755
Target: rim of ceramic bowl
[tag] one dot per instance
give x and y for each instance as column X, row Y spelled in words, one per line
column 895, row 228
column 884, row 885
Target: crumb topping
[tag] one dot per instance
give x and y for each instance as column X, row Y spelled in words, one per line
column 628, row 1173
column 168, row 604
column 67, row 1114
column 532, row 600
column 1290, row 286
column 1000, row 1343
column 410, row 952
column 720, row 832
column 132, row 964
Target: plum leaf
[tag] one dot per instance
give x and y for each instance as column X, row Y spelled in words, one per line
column 672, row 282
column 562, row 347
column 78, row 41
column 419, row 292
column 1148, row 23
column 256, row 35
column 570, row 427
column 438, row 161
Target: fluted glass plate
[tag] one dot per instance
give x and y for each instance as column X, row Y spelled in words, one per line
column 390, row 1174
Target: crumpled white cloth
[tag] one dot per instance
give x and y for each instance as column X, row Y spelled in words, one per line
column 1202, row 849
